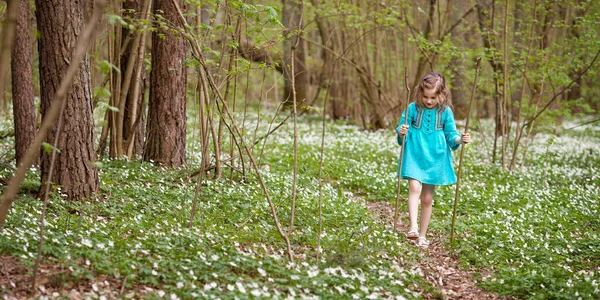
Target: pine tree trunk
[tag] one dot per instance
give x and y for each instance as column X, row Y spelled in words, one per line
column 166, row 128
column 22, row 86
column 73, row 168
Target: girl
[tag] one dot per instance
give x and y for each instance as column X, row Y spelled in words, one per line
column 427, row 159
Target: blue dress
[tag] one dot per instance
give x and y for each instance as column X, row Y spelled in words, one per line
column 431, row 136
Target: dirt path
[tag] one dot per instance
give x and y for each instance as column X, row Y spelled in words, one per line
column 437, row 266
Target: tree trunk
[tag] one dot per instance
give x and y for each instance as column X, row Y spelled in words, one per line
column 574, row 32
column 330, row 79
column 7, row 37
column 114, row 57
column 22, row 85
column 545, row 33
column 423, row 59
column 485, row 17
column 459, row 87
column 73, row 168
column 132, row 106
column 166, row 128
column 292, row 20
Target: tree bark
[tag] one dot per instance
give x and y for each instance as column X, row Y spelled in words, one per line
column 132, row 106
column 22, row 85
column 292, row 20
column 6, row 43
column 60, row 22
column 166, row 128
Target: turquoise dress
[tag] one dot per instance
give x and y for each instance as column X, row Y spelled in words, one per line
column 431, row 136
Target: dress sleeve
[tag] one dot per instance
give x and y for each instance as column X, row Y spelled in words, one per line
column 450, row 131
column 402, row 122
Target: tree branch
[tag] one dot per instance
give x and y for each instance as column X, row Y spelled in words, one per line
column 563, row 90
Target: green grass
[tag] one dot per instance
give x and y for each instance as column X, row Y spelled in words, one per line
column 536, row 231
column 137, row 229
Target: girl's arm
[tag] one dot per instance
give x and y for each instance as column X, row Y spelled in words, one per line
column 402, row 129
column 453, row 138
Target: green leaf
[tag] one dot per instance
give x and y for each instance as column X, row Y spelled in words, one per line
column 48, row 148
column 106, row 66
column 101, row 92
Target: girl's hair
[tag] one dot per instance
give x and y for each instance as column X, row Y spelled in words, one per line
column 435, row 81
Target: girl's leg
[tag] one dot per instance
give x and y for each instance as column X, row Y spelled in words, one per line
column 426, row 207
column 414, row 191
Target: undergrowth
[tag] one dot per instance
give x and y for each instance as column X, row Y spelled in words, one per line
column 137, row 232
column 534, row 233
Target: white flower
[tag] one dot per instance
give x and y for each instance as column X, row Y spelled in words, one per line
column 241, row 287
column 209, row 286
column 87, row 242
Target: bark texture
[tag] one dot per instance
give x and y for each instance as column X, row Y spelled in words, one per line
column 292, row 12
column 60, row 22
column 22, row 86
column 166, row 128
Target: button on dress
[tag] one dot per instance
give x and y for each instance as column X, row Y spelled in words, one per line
column 431, row 136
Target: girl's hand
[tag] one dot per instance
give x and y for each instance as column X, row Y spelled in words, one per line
column 465, row 138
column 403, row 130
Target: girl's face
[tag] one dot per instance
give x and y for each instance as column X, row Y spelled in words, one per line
column 430, row 98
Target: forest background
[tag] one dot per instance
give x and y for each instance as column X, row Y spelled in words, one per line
column 203, row 93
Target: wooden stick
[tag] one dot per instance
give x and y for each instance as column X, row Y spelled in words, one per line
column 462, row 150
column 402, row 148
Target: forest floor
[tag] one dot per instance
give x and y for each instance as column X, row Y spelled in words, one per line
column 436, row 265
column 52, row 280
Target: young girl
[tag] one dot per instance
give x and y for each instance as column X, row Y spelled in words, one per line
column 430, row 135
